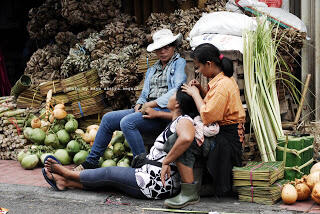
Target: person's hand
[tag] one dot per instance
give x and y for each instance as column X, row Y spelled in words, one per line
column 150, row 113
column 194, row 82
column 137, row 107
column 147, row 105
column 190, row 90
column 165, row 173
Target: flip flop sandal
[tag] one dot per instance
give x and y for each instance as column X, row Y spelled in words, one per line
column 52, row 181
column 54, row 158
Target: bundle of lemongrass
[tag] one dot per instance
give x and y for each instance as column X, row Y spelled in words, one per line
column 259, row 64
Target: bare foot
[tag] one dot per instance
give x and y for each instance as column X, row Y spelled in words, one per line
column 52, row 166
column 60, row 181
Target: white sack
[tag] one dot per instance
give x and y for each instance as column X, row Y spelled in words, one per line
column 222, row 42
column 278, row 15
column 227, row 23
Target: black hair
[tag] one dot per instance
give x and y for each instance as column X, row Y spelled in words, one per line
column 186, row 103
column 208, row 52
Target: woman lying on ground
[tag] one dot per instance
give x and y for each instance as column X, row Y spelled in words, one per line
column 220, row 104
column 157, row 178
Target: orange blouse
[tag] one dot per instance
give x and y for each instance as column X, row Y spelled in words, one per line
column 222, row 102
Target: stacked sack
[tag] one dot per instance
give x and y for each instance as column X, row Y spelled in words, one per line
column 222, row 29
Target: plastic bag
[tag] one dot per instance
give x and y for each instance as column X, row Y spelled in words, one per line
column 279, row 16
column 222, row 42
column 226, row 23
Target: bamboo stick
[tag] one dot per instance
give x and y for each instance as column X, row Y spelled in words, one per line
column 5, row 122
column 304, row 92
column 13, row 113
column 7, row 99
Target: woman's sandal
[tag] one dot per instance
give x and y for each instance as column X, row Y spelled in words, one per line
column 52, row 181
column 53, row 158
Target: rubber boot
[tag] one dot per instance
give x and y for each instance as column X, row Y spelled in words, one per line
column 188, row 195
column 197, row 174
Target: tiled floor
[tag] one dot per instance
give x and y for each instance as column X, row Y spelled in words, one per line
column 12, row 173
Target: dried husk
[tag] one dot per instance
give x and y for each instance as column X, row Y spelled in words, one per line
column 302, row 188
column 94, row 13
column 315, row 195
column 312, row 179
column 46, row 21
column 181, row 21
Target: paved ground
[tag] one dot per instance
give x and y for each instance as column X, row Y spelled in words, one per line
column 25, row 191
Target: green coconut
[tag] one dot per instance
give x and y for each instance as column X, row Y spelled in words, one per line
column 37, row 136
column 123, row 164
column 71, row 125
column 80, row 157
column 52, row 140
column 100, row 161
column 27, row 132
column 108, row 154
column 44, row 155
column 63, row 156
column 108, row 163
column 30, row 162
column 118, row 149
column 57, row 127
column 63, row 136
column 69, row 117
column 73, row 147
column 22, row 154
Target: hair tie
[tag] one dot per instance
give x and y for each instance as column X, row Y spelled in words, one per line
column 221, row 56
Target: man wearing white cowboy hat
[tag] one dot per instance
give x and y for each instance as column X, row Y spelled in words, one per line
column 150, row 114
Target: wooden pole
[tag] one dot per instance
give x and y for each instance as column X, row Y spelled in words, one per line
column 304, row 92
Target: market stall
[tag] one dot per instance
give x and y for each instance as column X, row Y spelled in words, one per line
column 94, row 60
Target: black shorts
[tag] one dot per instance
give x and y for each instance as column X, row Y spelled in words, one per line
column 193, row 153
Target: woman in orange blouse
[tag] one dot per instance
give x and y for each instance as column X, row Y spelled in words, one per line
column 219, row 103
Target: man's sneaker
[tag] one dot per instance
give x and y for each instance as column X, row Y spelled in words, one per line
column 78, row 168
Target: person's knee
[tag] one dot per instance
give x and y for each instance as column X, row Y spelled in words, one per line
column 127, row 123
column 107, row 117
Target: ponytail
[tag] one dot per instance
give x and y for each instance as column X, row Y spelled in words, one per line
column 208, row 52
column 227, row 66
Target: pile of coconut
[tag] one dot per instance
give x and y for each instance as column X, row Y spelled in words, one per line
column 302, row 189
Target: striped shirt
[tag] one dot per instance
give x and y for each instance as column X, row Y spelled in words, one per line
column 222, row 102
column 158, row 82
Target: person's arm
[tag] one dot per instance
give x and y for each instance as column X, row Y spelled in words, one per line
column 196, row 83
column 179, row 78
column 193, row 91
column 144, row 93
column 214, row 109
column 186, row 133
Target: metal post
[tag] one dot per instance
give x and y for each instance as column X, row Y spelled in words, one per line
column 317, row 57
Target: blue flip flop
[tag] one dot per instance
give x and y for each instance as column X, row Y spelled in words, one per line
column 52, row 182
column 52, row 157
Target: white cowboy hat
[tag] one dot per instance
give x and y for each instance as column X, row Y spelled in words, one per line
column 162, row 38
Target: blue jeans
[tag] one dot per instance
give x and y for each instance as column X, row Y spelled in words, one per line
column 132, row 124
column 122, row 178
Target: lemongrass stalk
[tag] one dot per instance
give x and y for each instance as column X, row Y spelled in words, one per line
column 260, row 89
